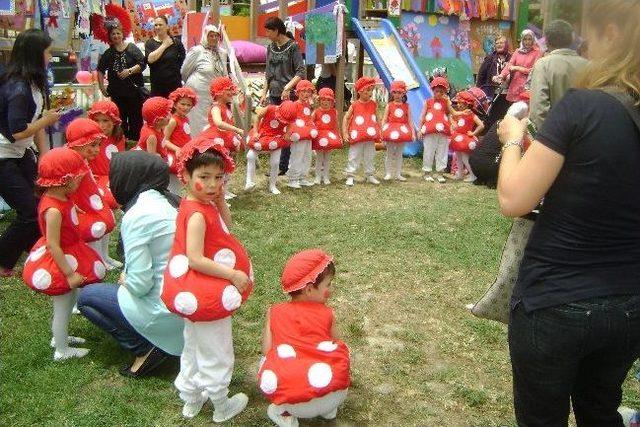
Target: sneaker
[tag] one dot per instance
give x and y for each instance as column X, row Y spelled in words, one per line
column 331, row 415
column 428, row 178
column 229, row 195
column 470, row 178
column 326, row 181
column 294, row 184
column 230, row 407
column 306, row 183
column 387, row 177
column 280, row 420
column 274, row 190
column 69, row 353
column 249, row 186
column 70, row 340
column 440, row 178
column 114, row 263
column 317, row 181
column 191, row 409
column 372, row 180
column 349, row 182
column 401, row 178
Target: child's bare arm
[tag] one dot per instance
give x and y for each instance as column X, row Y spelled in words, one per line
column 260, row 112
column 479, row 125
column 216, row 115
column 168, row 131
column 152, row 144
column 411, row 126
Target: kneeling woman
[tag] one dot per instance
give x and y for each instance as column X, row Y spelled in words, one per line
column 133, row 312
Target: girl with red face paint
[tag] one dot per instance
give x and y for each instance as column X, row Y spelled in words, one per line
column 305, row 369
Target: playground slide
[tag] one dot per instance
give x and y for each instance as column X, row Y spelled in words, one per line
column 392, row 60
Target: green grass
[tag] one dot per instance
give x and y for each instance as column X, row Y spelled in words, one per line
column 409, row 257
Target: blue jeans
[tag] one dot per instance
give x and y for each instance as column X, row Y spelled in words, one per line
column 99, row 304
column 580, row 353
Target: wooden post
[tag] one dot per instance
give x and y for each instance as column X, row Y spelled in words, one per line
column 253, row 20
column 215, row 12
column 282, row 9
column 340, row 74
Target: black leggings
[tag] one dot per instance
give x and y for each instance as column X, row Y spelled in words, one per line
column 131, row 115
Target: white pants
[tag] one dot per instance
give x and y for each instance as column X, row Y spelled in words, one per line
column 62, row 308
column 274, row 166
column 320, row 406
column 357, row 153
column 322, row 164
column 206, row 363
column 300, row 160
column 393, row 159
column 435, row 147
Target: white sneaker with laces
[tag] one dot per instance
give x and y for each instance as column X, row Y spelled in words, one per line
column 280, row 420
column 69, row 353
column 428, row 178
column 317, row 181
column 191, row 409
column 274, row 190
column 372, row 180
column 349, row 182
column 326, row 181
column 387, row 177
column 229, row 408
column 401, row 178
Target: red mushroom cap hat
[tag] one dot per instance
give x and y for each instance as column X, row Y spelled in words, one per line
column 398, row 86
column 199, row 145
column 287, row 112
column 83, row 131
column 464, row 97
column 439, row 82
column 304, row 268
column 305, row 85
column 183, row 92
column 365, row 82
column 156, row 108
column 58, row 165
column 326, row 93
column 220, row 84
column 108, row 108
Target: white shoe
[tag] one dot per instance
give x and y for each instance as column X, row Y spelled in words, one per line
column 274, row 190
column 249, row 186
column 428, row 178
column 440, row 178
column 70, row 352
column 229, row 195
column 387, row 177
column 191, row 409
column 470, row 178
column 317, row 181
column 74, row 310
column 230, row 407
column 113, row 263
column 326, row 181
column 401, row 178
column 349, row 182
column 294, row 185
column 70, row 340
column 331, row 415
column 306, row 183
column 372, row 180
column 280, row 420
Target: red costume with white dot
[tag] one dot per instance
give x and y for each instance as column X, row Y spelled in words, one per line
column 271, row 133
column 328, row 137
column 436, row 119
column 303, row 128
column 148, row 131
column 460, row 140
column 180, row 136
column 397, row 127
column 364, row 125
column 100, row 167
column 96, row 218
column 230, row 140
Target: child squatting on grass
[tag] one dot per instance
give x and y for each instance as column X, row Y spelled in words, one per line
column 305, row 368
column 208, row 276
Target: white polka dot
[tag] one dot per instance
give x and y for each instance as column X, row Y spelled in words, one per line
column 72, row 261
column 359, row 120
column 98, row 229
column 327, row 346
column 439, row 127
column 178, row 266
column 295, row 137
column 101, row 191
column 319, row 375
column 257, row 146
column 226, row 257
column 41, row 279
column 354, row 134
column 472, row 145
column 404, row 129
column 185, row 303
column 437, row 106
column 307, row 111
column 385, row 126
column 109, row 150
column 300, row 123
column 429, row 116
column 458, row 138
column 314, row 133
column 371, row 131
column 231, row 298
column 461, row 122
column 326, row 119
column 186, row 128
column 37, row 254
column 394, row 135
column 74, row 216
column 274, row 124
column 218, row 141
column 398, row 113
column 96, row 202
column 323, row 142
column 99, row 269
column 273, row 145
column 268, row 382
column 332, row 135
column 374, row 118
column 285, row 351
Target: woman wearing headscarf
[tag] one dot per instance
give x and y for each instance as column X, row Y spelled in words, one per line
column 165, row 55
column 493, row 65
column 133, row 312
column 204, row 63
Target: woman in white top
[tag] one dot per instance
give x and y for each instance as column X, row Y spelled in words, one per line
column 204, row 63
column 22, row 123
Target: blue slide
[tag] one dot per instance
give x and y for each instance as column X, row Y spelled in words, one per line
column 417, row 96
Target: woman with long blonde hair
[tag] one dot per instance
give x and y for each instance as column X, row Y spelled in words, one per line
column 574, row 329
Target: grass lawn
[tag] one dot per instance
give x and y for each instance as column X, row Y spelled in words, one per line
column 409, row 257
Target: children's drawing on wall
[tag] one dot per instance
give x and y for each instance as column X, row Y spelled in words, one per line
column 143, row 12
column 439, row 41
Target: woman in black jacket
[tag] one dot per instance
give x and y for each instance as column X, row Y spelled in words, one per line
column 492, row 66
column 165, row 55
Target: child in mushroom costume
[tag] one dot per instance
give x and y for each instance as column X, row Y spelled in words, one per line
column 466, row 127
column 208, row 276
column 107, row 116
column 156, row 113
column 95, row 216
column 305, row 371
column 178, row 132
column 221, row 127
column 328, row 137
column 302, row 131
column 61, row 261
column 270, row 133
column 397, row 129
